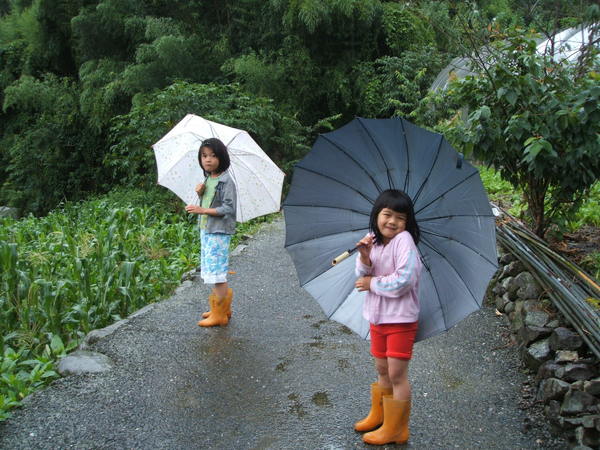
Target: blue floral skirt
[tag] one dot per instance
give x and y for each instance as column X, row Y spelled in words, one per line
column 214, row 256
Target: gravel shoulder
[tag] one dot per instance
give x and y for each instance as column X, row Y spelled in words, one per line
column 279, row 376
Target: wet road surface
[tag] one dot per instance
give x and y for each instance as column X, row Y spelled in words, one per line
column 279, row 376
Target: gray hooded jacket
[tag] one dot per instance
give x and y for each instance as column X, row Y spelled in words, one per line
column 225, row 202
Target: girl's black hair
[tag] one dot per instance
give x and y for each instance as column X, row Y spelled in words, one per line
column 220, row 152
column 398, row 201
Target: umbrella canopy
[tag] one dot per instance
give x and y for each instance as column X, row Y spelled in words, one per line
column 257, row 179
column 331, row 196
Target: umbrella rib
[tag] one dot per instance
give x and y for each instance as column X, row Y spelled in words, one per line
column 260, row 179
column 437, row 154
column 337, row 181
column 176, row 161
column 341, row 149
column 461, row 243
column 387, row 169
column 406, row 179
column 212, row 130
column 455, row 271
column 362, row 213
column 234, row 136
column 437, row 291
column 326, row 235
column 445, row 192
column 450, row 216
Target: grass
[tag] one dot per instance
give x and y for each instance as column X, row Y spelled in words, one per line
column 505, row 195
column 501, row 192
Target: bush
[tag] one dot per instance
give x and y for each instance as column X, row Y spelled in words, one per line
column 52, row 155
column 131, row 159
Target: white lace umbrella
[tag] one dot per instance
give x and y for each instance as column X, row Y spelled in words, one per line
column 257, row 179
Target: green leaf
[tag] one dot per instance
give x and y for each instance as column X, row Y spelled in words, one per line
column 511, row 97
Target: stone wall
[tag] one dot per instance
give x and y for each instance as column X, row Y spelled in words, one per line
column 567, row 373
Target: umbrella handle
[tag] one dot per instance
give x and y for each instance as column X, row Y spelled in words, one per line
column 343, row 256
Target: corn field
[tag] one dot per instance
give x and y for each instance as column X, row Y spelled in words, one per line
column 76, row 270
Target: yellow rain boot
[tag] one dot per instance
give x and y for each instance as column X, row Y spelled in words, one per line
column 375, row 417
column 218, row 315
column 228, row 299
column 211, row 301
column 396, row 414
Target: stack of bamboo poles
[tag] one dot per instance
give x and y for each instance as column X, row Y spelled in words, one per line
column 574, row 293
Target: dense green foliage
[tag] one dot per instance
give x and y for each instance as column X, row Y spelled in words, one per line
column 531, row 150
column 152, row 115
column 74, row 75
column 86, row 86
column 533, row 117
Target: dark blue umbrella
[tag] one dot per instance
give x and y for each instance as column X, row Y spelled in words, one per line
column 327, row 211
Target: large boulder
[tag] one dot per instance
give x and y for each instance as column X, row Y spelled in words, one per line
column 510, row 287
column 577, row 402
column 536, row 354
column 549, row 369
column 575, row 372
column 587, row 436
column 529, row 334
column 82, row 361
column 527, row 286
column 565, row 339
column 512, row 269
column 552, row 389
column 536, row 318
column 592, row 387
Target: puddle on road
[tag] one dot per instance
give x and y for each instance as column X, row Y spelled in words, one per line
column 452, row 381
column 296, row 408
column 317, row 344
column 187, row 397
column 220, row 344
column 265, row 443
column 343, row 364
column 344, row 329
column 319, row 323
column 282, row 366
column 321, row 399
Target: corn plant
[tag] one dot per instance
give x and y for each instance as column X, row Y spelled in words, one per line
column 76, row 270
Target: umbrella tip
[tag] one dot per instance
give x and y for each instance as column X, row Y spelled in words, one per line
column 459, row 161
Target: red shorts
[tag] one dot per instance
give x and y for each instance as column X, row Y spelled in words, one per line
column 393, row 340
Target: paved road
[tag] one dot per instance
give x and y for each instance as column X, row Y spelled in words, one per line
column 280, row 376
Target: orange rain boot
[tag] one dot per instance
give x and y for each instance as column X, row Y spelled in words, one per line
column 218, row 315
column 375, row 417
column 211, row 301
column 396, row 414
column 228, row 299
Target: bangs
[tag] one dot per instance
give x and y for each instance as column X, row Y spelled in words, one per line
column 398, row 201
column 398, row 204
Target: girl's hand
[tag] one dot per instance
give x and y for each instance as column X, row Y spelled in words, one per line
column 364, row 249
column 194, row 209
column 363, row 284
column 200, row 189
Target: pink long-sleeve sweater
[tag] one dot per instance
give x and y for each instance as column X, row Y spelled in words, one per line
column 396, row 271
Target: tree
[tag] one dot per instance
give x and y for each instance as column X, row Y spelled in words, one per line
column 394, row 85
column 131, row 159
column 52, row 154
column 537, row 121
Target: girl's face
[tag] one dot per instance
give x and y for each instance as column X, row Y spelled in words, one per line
column 210, row 162
column 390, row 223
